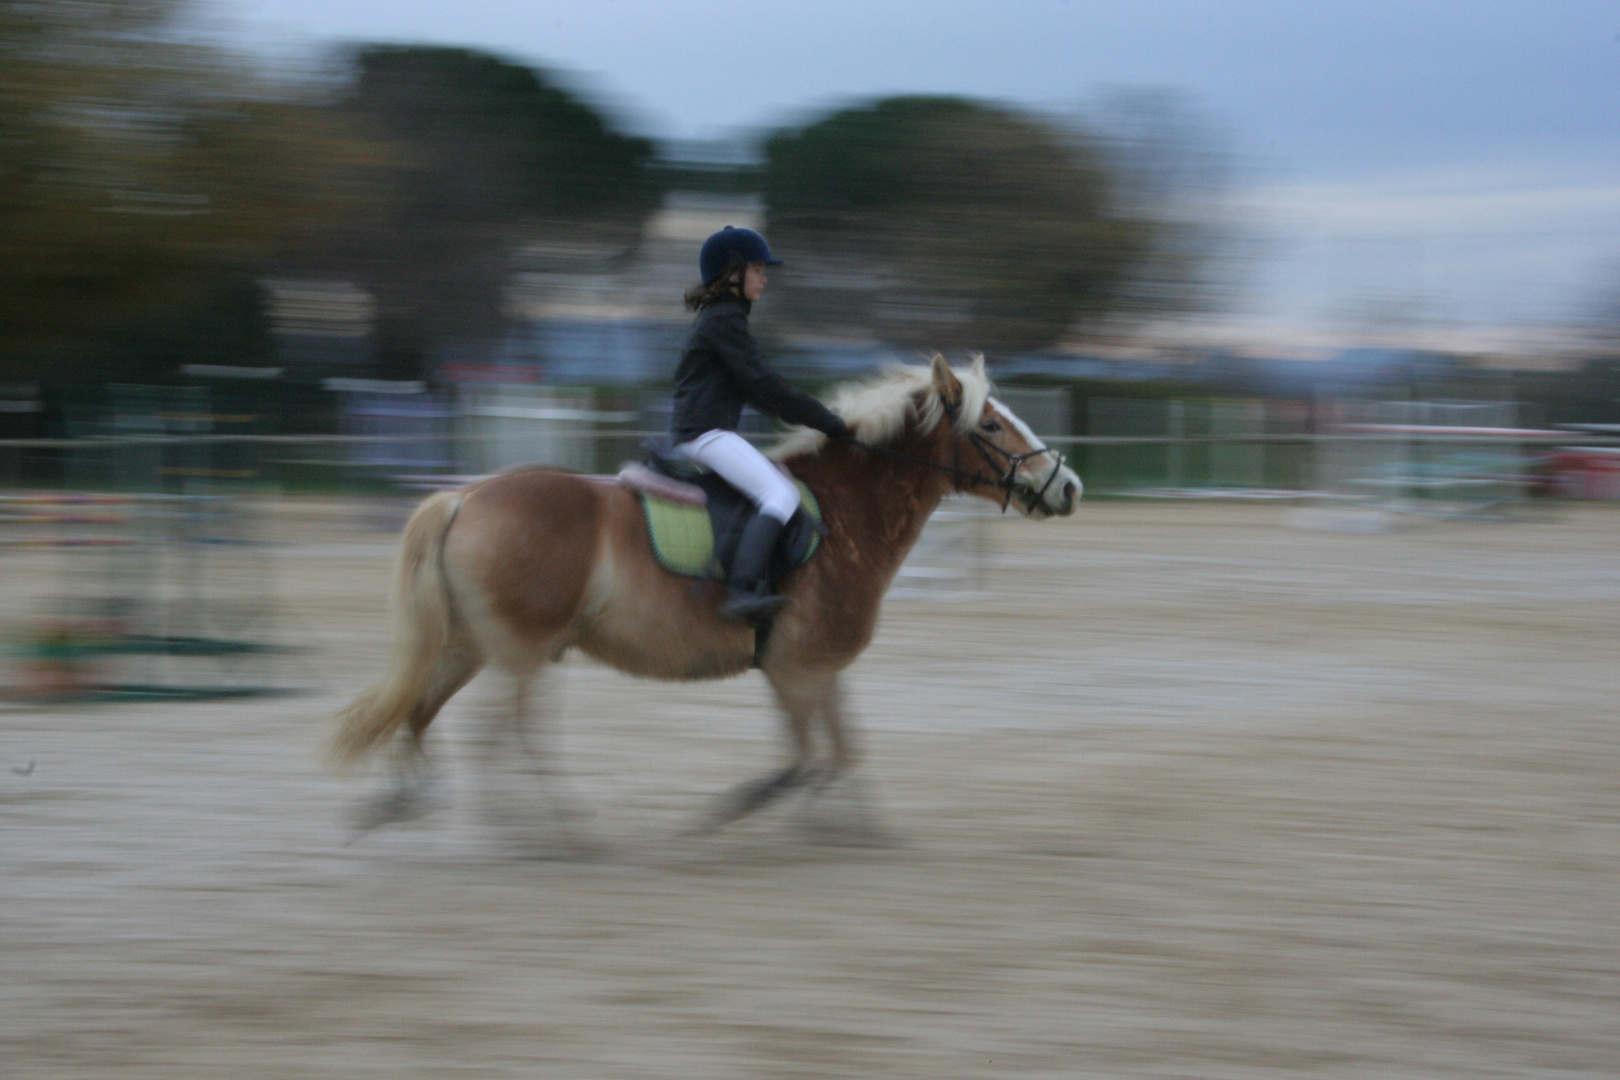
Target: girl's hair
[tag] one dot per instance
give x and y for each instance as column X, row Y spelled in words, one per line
column 727, row 284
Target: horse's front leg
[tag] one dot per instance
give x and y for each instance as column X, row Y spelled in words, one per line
column 843, row 811
column 800, row 701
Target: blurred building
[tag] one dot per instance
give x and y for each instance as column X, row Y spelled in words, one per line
column 321, row 328
column 585, row 314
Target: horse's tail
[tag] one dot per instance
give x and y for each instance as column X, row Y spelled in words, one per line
column 422, row 631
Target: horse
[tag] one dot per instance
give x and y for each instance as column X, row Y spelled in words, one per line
column 513, row 571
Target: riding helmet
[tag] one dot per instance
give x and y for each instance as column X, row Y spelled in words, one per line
column 717, row 249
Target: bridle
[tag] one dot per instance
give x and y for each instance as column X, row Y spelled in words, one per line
column 997, row 459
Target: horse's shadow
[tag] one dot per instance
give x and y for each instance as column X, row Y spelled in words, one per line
column 826, row 808
column 819, row 809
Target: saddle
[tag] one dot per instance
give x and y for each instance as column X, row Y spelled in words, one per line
column 695, row 518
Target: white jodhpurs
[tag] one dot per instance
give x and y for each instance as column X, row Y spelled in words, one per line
column 746, row 469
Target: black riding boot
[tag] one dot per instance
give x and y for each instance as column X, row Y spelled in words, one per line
column 749, row 597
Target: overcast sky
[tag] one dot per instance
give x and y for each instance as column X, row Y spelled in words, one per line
column 1462, row 156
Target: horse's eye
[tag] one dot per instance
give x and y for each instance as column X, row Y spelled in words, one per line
column 991, row 426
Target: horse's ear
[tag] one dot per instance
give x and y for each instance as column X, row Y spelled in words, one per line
column 947, row 384
column 978, row 365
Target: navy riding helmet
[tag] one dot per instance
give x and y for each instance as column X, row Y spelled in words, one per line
column 717, row 249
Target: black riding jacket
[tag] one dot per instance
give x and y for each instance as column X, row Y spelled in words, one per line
column 721, row 370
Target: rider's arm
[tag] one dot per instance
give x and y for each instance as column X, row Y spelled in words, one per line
column 763, row 388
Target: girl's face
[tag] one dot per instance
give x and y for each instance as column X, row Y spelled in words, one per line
column 753, row 283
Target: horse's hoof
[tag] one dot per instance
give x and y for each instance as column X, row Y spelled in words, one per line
column 562, row 850
column 392, row 808
column 741, row 606
column 847, row 836
column 745, row 799
column 840, row 814
column 576, row 849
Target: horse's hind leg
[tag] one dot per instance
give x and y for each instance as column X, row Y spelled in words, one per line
column 457, row 665
column 507, row 744
column 410, row 795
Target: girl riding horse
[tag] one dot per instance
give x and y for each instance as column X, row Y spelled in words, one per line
column 721, row 370
column 515, row 571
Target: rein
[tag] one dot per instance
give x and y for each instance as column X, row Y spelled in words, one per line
column 1008, row 466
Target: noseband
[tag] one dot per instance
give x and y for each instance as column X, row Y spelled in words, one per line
column 1009, row 463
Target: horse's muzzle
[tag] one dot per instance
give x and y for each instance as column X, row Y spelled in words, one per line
column 1071, row 497
column 1051, row 495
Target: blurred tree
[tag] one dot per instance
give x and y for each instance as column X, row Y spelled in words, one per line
column 1172, row 166
column 937, row 222
column 140, row 170
column 490, row 156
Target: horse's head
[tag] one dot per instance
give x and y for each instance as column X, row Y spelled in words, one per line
column 995, row 453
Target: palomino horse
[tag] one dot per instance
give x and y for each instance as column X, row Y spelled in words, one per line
column 514, row 571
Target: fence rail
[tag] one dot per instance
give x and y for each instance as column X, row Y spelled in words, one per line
column 1540, row 438
column 1352, row 457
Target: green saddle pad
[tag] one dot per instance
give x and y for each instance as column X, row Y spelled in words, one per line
column 683, row 538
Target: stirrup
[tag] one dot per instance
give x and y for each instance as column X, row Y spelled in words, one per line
column 751, row 606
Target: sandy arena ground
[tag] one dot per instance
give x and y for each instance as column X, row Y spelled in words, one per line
column 1186, row 793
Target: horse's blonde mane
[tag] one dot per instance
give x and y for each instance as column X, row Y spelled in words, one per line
column 880, row 408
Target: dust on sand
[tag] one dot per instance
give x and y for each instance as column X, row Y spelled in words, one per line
column 1186, row 793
